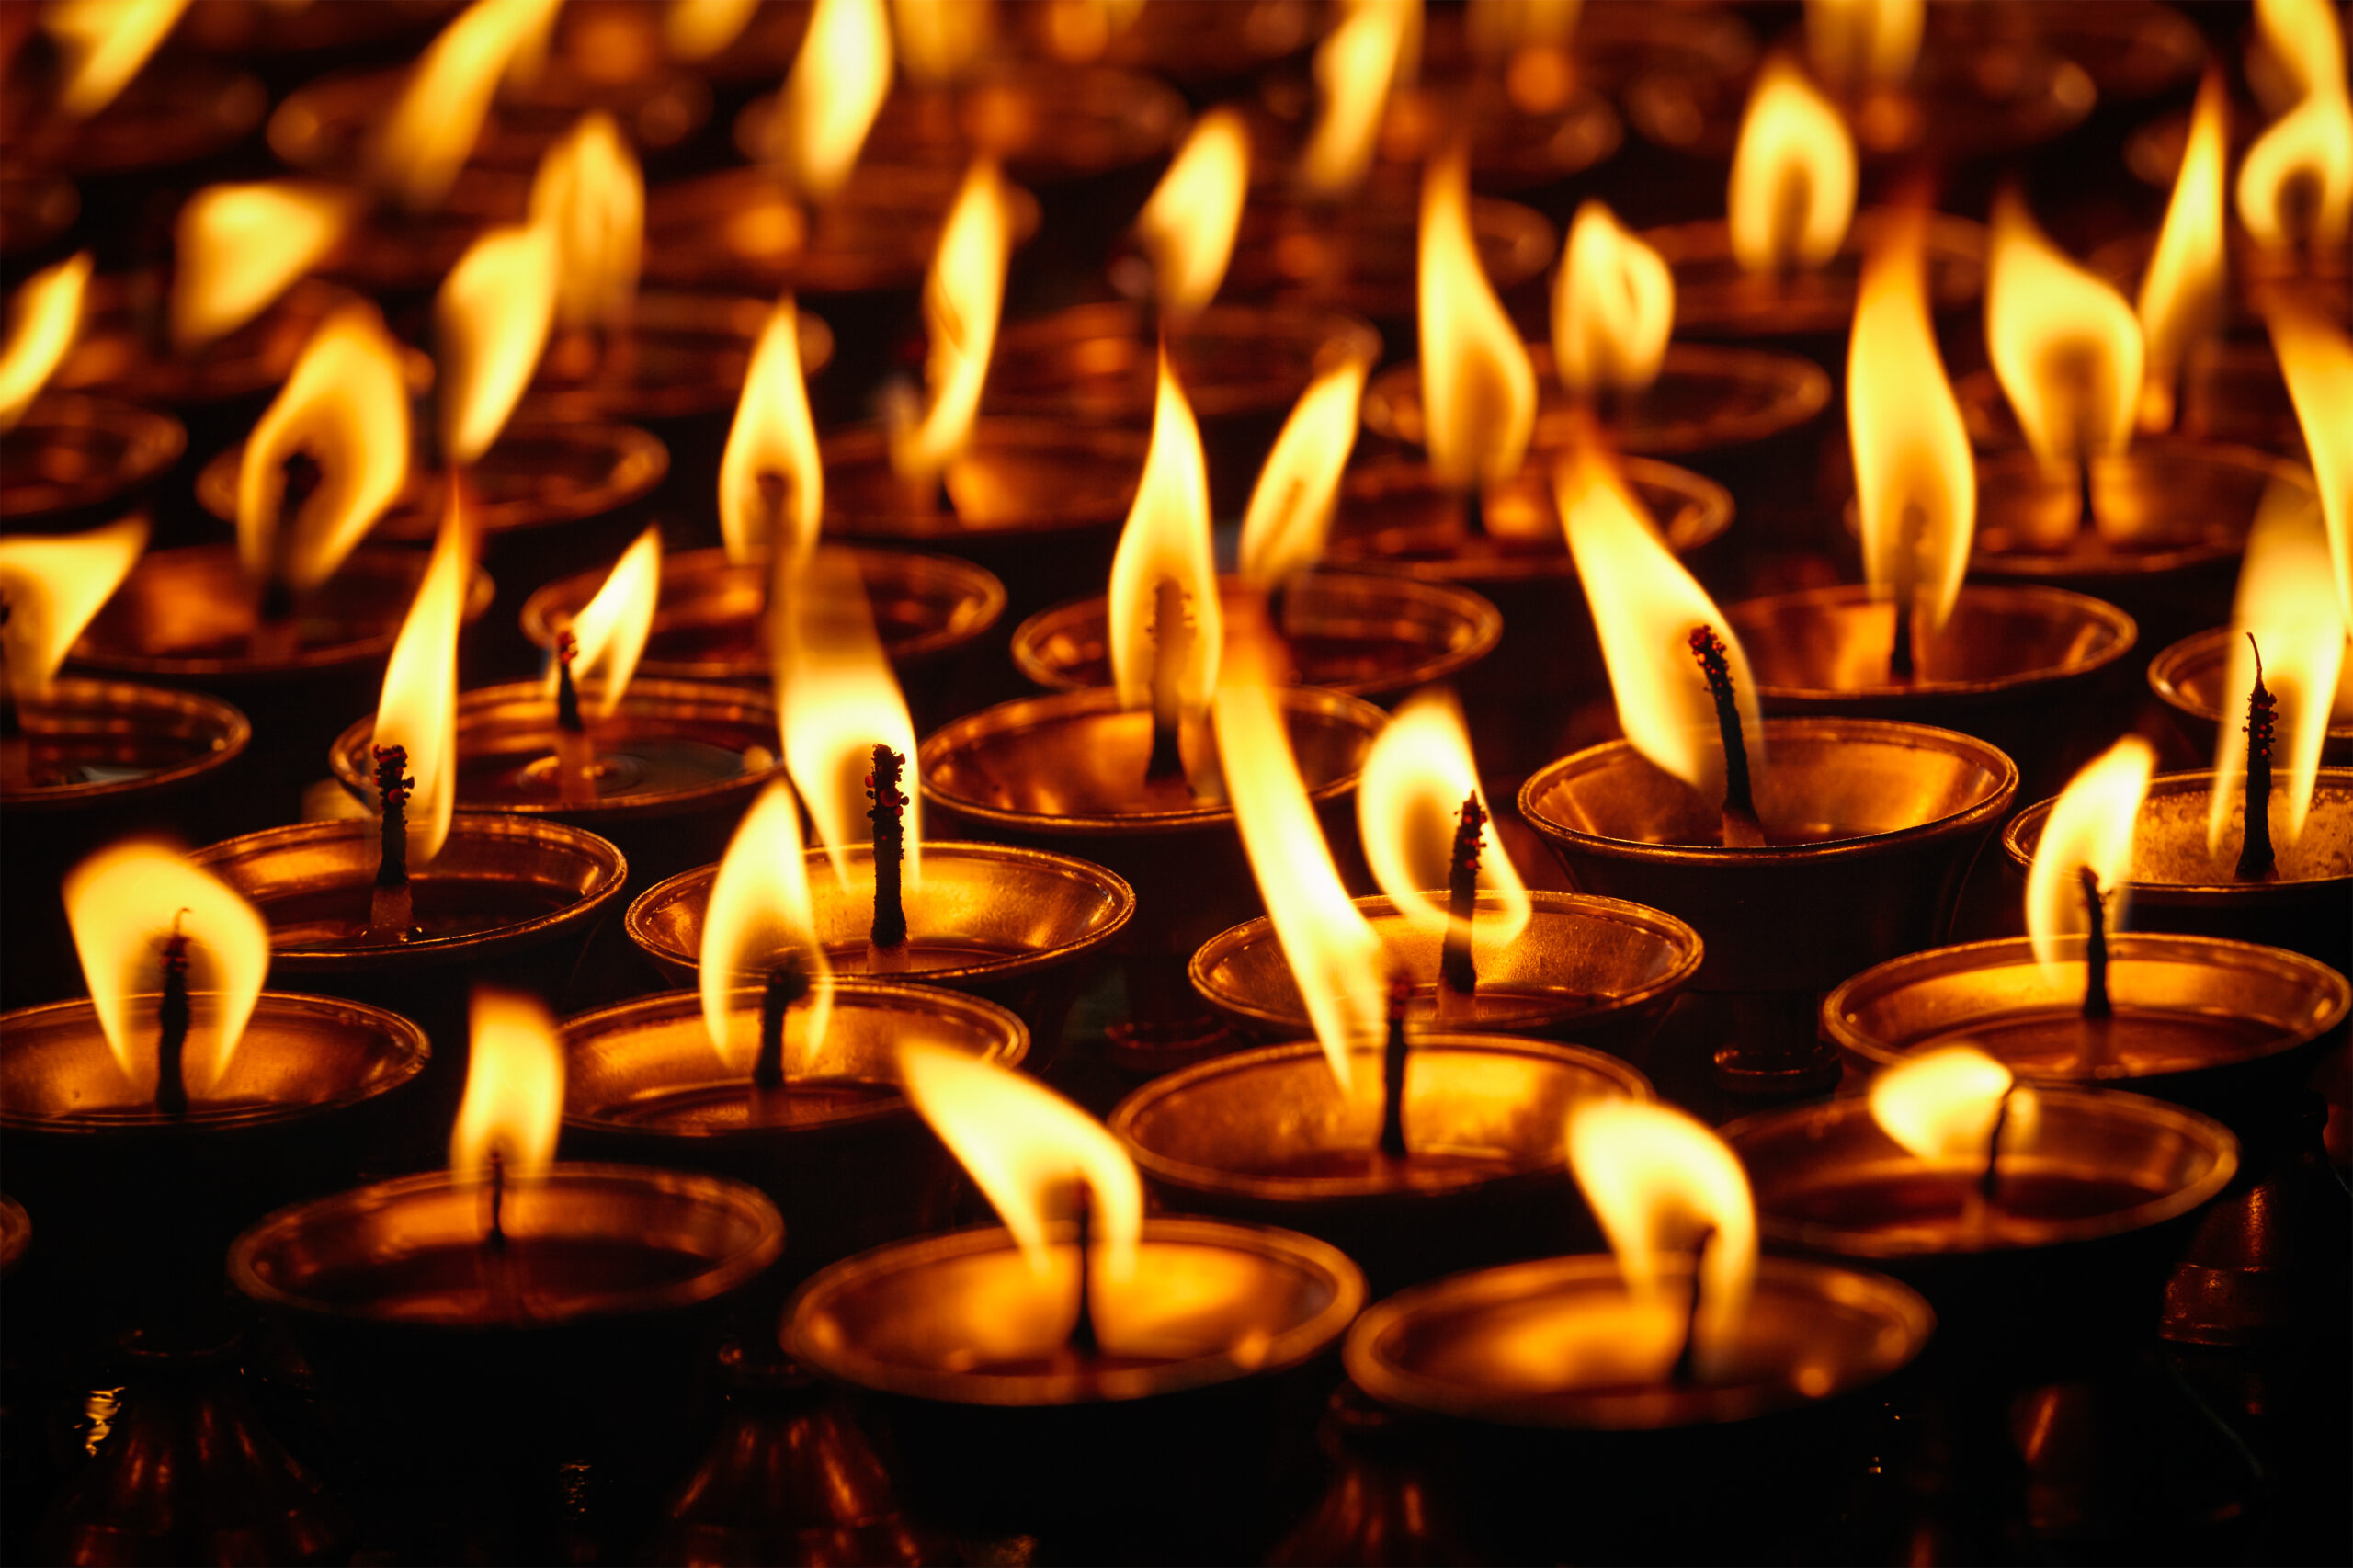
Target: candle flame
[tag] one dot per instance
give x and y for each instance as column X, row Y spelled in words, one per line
column 1793, row 173
column 836, row 88
column 1943, row 1104
column 238, row 247
column 1289, row 516
column 1613, row 307
column 1409, row 800
column 1166, row 541
column 1644, row 607
column 490, row 322
column 51, row 585
column 698, row 30
column 122, row 903
column 2296, row 181
column 44, row 318
column 1658, row 1181
column 1864, row 43
column 1916, row 480
column 2287, row 599
column 2316, row 361
column 1333, row 953
column 2181, row 293
column 1367, row 51
column 2091, row 825
column 2064, row 344
column 513, row 1107
column 1023, row 1145
column 590, row 192
column 418, row 709
column 609, row 632
column 961, row 299
column 2303, row 40
column 1478, row 386
column 758, row 909
column 346, row 408
column 771, row 481
column 1188, row 225
column 432, row 128
column 836, row 699
column 940, row 39
column 104, row 44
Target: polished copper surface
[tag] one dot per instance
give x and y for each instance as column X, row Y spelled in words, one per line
column 71, row 456
column 90, row 743
column 2188, row 678
column 1714, row 298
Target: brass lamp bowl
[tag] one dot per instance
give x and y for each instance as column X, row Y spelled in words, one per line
column 1021, row 927
column 1369, row 635
column 2189, row 679
column 1586, row 970
column 1269, row 1136
column 120, row 352
column 2230, row 392
column 74, row 459
column 1714, row 298
column 1361, row 257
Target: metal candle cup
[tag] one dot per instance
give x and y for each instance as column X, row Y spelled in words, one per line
column 1586, row 970
column 1878, row 824
column 1363, row 257
column 1369, row 635
column 218, row 388
column 1483, row 1364
column 134, row 1204
column 2189, row 679
column 2231, row 393
column 677, row 762
column 75, row 461
column 2016, row 665
column 1023, row 928
column 1267, row 1136
column 846, row 1157
column 2176, row 884
column 709, row 618
column 1714, row 298
column 1217, row 1353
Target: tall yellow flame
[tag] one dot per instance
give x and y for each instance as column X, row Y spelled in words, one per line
column 835, row 89
column 122, row 903
column 513, row 1107
column 1289, row 514
column 940, row 39
column 1332, row 951
column 2181, row 293
column 1408, row 800
column 426, row 139
column 1644, row 607
column 1944, row 1104
column 1024, row 1146
column 1166, row 540
column 836, row 699
column 237, row 247
column 51, row 584
column 345, row 407
column 591, row 193
column 2287, row 600
column 2316, row 361
column 418, row 709
column 611, row 628
column 2302, row 163
column 44, row 318
column 2303, row 41
column 1188, row 225
column 1659, row 1182
column 1916, row 480
column 1856, row 44
column 491, row 321
column 1478, row 386
column 104, row 44
column 2091, row 825
column 771, row 481
column 1613, row 307
column 2064, row 342
column 759, row 909
column 698, row 30
column 961, row 299
column 1793, row 173
column 1367, row 51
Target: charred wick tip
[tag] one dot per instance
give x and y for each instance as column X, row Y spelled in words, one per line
column 889, row 816
column 2257, row 856
column 1457, row 967
column 1989, row 1184
column 1687, row 1360
column 393, row 785
column 567, row 693
column 786, row 985
column 2096, row 1002
column 173, row 1017
column 1715, row 666
column 1085, row 1341
column 1392, row 1071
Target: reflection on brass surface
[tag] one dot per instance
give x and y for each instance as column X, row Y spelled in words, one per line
column 89, row 742
column 2164, row 506
column 70, row 451
column 1831, row 645
column 2188, row 678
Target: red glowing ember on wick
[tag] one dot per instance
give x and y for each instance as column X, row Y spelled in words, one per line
column 391, row 911
column 888, row 933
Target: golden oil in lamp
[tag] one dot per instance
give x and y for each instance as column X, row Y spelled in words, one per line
column 1063, row 1378
column 84, row 762
column 1685, row 1351
column 68, row 458
column 179, row 1101
column 2022, row 666
column 1414, row 1152
column 504, row 1278
column 790, row 1086
column 1876, row 819
column 1488, row 954
column 81, row 98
